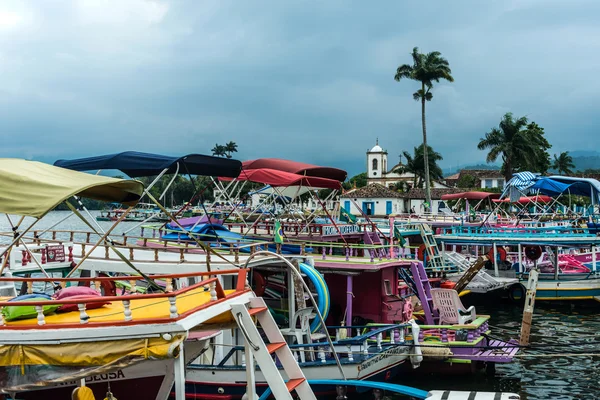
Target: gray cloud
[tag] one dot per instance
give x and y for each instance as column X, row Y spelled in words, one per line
column 305, row 80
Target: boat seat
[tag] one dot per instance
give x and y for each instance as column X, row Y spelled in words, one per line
column 302, row 318
column 451, row 309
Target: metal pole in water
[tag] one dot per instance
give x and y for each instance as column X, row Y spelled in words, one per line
column 529, row 305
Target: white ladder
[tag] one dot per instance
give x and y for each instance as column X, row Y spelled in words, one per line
column 262, row 352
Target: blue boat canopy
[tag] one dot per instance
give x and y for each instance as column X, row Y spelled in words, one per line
column 136, row 164
column 556, row 185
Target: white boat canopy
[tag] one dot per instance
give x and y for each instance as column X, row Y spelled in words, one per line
column 31, row 188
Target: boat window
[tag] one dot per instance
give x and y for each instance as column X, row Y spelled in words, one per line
column 387, row 286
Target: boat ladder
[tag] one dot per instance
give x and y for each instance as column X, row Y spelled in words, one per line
column 257, row 349
column 424, row 292
column 435, row 259
column 471, row 273
column 481, row 281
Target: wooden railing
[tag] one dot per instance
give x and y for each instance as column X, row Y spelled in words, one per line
column 212, row 284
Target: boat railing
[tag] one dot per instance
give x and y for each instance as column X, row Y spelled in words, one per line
column 78, row 242
column 210, row 283
column 368, row 336
column 549, row 231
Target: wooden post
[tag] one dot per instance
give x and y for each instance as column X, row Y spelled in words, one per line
column 528, row 310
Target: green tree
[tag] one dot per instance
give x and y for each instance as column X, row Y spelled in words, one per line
column 426, row 69
column 230, row 147
column 521, row 145
column 415, row 164
column 467, row 181
column 219, row 150
column 359, row 180
column 563, row 163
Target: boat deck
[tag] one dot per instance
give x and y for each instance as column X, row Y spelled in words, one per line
column 496, row 351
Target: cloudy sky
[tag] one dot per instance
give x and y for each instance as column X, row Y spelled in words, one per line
column 305, row 80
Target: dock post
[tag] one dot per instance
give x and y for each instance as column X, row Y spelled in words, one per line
column 180, row 375
column 594, row 259
column 528, row 309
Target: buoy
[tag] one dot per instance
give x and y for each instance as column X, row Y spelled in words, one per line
column 83, row 393
column 533, row 252
column 260, row 283
column 421, row 252
column 500, row 252
column 516, row 293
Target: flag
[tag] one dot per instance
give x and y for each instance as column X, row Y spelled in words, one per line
column 278, row 233
column 345, row 216
column 398, row 235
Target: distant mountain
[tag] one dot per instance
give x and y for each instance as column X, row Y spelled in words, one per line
column 586, row 162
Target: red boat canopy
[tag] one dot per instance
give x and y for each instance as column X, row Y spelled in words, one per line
column 295, row 168
column 281, row 178
column 471, row 196
column 528, row 199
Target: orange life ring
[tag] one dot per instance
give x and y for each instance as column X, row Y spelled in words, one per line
column 500, row 251
column 421, row 252
column 260, row 283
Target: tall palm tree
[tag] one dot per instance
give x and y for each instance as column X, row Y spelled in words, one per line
column 563, row 163
column 522, row 146
column 218, row 150
column 230, row 147
column 426, row 68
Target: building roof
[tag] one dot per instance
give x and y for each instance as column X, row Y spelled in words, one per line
column 436, row 193
column 373, row 191
column 482, row 173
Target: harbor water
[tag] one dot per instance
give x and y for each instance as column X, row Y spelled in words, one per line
column 563, row 362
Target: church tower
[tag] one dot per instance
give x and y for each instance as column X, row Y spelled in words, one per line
column 376, row 162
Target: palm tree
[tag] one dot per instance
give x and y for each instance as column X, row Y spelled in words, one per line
column 230, row 147
column 218, row 150
column 426, row 68
column 521, row 145
column 415, row 164
column 563, row 163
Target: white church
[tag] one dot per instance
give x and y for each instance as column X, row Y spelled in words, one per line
column 378, row 172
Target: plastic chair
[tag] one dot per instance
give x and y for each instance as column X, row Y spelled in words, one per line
column 451, row 309
column 302, row 317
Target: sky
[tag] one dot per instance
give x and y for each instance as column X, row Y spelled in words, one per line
column 310, row 81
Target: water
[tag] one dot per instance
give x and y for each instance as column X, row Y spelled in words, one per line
column 556, row 327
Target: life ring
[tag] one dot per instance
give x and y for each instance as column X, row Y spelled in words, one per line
column 260, row 283
column 533, row 252
column 516, row 293
column 407, row 310
column 421, row 252
column 501, row 253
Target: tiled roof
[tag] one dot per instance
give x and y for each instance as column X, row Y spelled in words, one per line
column 436, row 194
column 374, row 190
column 482, row 173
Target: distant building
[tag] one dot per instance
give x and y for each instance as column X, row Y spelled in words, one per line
column 484, row 178
column 373, row 199
column 378, row 200
column 378, row 172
